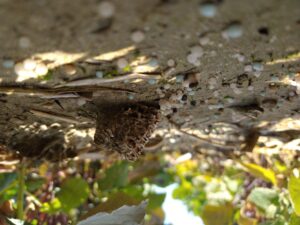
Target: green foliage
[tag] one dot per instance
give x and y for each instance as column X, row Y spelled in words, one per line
column 73, row 193
column 8, row 185
column 115, row 177
column 155, row 200
column 6, row 179
column 266, row 200
column 260, row 172
column 294, row 191
column 217, row 214
column 294, row 220
column 34, row 184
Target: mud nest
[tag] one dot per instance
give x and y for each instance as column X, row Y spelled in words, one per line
column 46, row 145
column 126, row 128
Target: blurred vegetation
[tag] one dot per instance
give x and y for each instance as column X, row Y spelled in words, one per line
column 248, row 189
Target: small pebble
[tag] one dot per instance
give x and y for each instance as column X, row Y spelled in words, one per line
column 186, row 83
column 69, row 69
column 81, row 101
column 239, row 57
column 191, row 93
column 43, row 127
column 193, row 59
column 208, row 10
column 152, row 81
column 153, row 62
column 204, row 40
column 179, row 78
column 167, row 86
column 122, row 63
column 24, row 42
column 8, row 63
column 250, row 88
column 130, row 96
column 29, row 64
column 197, row 51
column 137, row 36
column 106, row 9
column 41, row 69
column 248, row 68
column 99, row 74
column 257, row 66
column 234, row 30
column 171, row 63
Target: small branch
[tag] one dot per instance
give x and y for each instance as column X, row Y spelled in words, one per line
column 97, row 81
column 21, row 191
column 55, row 116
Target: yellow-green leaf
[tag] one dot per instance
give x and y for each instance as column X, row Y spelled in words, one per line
column 260, row 172
column 294, row 191
column 217, row 214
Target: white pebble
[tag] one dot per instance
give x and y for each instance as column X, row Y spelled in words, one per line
column 41, row 69
column 106, row 9
column 29, row 64
column 233, row 31
column 204, row 40
column 22, row 73
column 43, row 127
column 193, row 59
column 250, row 88
column 167, row 86
column 237, row 91
column 216, row 94
column 24, row 42
column 171, row 63
column 239, row 57
column 186, row 83
column 197, row 50
column 208, row 10
column 122, row 63
column 137, row 36
column 172, row 140
column 248, row 68
column 257, row 73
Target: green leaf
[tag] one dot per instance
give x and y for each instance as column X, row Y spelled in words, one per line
column 217, row 215
column 266, row 200
column 294, row 220
column 294, row 191
column 6, row 179
column 260, row 172
column 155, row 200
column 73, row 193
column 34, row 184
column 116, row 176
column 51, row 207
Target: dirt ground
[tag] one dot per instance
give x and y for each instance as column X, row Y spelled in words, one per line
column 226, row 74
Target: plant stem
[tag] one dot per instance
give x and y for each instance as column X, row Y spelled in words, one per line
column 21, row 183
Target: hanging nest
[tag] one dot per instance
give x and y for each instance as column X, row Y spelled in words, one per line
column 49, row 145
column 126, row 128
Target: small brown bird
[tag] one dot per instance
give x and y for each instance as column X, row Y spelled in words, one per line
column 126, row 128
